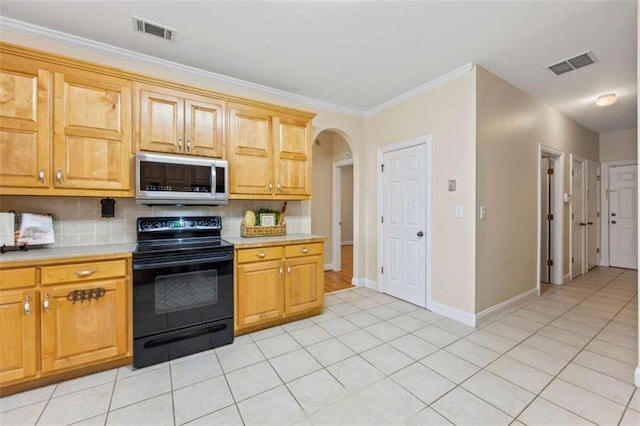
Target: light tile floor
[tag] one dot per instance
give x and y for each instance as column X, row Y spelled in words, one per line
column 567, row 357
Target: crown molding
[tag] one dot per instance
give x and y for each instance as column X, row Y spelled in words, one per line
column 35, row 31
column 452, row 75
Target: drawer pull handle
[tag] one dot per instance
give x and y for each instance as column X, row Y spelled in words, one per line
column 261, row 255
column 59, row 176
column 304, row 250
column 27, row 305
column 82, row 274
column 180, row 144
column 41, row 175
column 189, row 145
column 45, row 304
column 82, row 295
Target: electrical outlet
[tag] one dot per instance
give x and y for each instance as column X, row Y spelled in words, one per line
column 483, row 212
column 458, row 211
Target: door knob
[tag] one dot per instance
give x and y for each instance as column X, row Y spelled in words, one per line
column 583, row 224
column 420, row 234
column 589, row 223
column 613, row 214
column 614, row 222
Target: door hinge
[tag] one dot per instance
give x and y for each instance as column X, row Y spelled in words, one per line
column 572, row 172
column 549, row 171
column 598, row 250
column 549, row 262
column 550, row 217
column 573, row 260
column 597, row 178
column 572, row 216
column 381, row 219
column 597, row 214
column 382, row 168
column 382, row 270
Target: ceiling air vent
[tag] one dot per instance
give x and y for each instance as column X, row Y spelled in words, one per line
column 579, row 61
column 153, row 29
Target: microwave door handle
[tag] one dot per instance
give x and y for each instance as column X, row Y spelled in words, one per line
column 213, row 180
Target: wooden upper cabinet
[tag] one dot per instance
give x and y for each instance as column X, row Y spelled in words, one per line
column 24, row 123
column 92, row 131
column 293, row 159
column 269, row 154
column 173, row 121
column 250, row 152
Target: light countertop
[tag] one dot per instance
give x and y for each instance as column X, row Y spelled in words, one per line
column 241, row 242
column 40, row 254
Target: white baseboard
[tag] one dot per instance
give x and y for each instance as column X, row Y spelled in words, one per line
column 328, row 267
column 566, row 278
column 486, row 315
column 367, row 283
column 453, row 313
column 347, row 243
column 636, row 377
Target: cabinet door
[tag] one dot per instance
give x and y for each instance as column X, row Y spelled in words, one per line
column 24, row 123
column 161, row 120
column 304, row 284
column 92, row 131
column 293, row 156
column 260, row 292
column 75, row 334
column 250, row 151
column 203, row 127
column 18, row 318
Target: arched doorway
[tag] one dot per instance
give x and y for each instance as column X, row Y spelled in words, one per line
column 333, row 206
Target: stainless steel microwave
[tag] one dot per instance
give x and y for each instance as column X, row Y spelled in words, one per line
column 181, row 180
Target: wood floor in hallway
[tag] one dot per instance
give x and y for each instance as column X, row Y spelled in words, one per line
column 334, row 281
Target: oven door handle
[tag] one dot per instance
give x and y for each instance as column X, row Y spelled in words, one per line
column 168, row 264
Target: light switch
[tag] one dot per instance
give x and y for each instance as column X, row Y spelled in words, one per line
column 452, row 185
column 458, row 211
column 483, row 212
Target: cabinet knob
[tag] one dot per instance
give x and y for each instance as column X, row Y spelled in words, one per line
column 288, row 269
column 59, row 176
column 270, row 186
column 180, row 144
column 278, row 187
column 41, row 175
column 188, row 145
column 45, row 303
column 280, row 269
column 261, row 255
column 27, row 305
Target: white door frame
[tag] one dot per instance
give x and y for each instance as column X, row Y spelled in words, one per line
column 604, row 207
column 558, row 209
column 426, row 140
column 336, row 233
column 598, row 223
column 572, row 158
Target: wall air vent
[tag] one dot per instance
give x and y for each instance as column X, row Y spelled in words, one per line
column 579, row 61
column 153, row 29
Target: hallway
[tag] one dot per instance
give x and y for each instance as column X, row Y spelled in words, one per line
column 335, row 281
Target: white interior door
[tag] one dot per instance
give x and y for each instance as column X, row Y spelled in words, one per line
column 403, row 224
column 623, row 226
column 593, row 218
column 578, row 223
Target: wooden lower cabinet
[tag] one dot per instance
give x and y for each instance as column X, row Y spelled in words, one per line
column 79, row 333
column 19, row 322
column 277, row 284
column 45, row 335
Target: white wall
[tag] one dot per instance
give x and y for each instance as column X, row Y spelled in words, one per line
column 620, row 145
column 447, row 113
column 510, row 126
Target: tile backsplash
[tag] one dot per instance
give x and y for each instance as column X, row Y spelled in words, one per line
column 77, row 221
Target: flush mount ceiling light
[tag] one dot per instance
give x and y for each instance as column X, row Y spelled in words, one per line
column 606, row 100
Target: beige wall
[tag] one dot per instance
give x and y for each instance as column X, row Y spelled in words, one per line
column 447, row 113
column 510, row 125
column 346, row 204
column 620, row 145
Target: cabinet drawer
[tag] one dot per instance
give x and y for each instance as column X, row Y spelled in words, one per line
column 83, row 271
column 16, row 278
column 253, row 255
column 297, row 250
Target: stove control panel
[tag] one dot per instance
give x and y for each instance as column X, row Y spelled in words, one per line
column 154, row 224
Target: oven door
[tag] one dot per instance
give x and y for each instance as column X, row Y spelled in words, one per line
column 181, row 291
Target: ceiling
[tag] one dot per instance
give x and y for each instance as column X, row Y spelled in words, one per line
column 361, row 54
